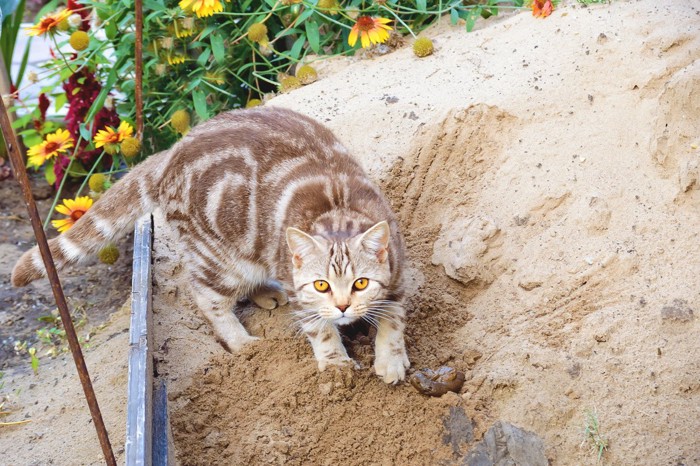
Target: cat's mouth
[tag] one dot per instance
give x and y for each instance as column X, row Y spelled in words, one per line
column 344, row 320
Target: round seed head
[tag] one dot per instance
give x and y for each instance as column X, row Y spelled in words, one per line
column 79, row 40
column 423, row 47
column 108, row 254
column 180, row 121
column 307, row 74
column 253, row 103
column 289, row 83
column 97, row 182
column 257, row 32
column 130, row 147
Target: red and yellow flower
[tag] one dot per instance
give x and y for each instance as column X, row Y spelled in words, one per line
column 542, row 8
column 202, row 8
column 49, row 23
column 74, row 209
column 54, row 144
column 371, row 31
column 110, row 138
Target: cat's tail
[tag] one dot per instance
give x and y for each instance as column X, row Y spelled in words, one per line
column 111, row 216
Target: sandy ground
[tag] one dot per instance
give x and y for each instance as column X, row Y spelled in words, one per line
column 545, row 174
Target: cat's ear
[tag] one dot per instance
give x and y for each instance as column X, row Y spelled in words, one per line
column 376, row 240
column 301, row 245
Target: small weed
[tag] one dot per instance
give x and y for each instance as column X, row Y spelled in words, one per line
column 593, row 436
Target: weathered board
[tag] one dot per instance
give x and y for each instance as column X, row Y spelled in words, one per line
column 139, row 416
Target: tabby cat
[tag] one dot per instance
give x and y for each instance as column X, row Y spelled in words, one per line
column 259, row 197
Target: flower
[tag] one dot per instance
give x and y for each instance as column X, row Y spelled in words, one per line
column 371, row 31
column 48, row 24
column 202, row 8
column 130, row 147
column 79, row 40
column 97, row 182
column 257, row 32
column 423, row 47
column 289, row 83
column 54, row 144
column 108, row 254
column 74, row 208
column 253, row 103
column 109, row 138
column 75, row 20
column 542, row 8
column 181, row 121
column 307, row 74
column 176, row 59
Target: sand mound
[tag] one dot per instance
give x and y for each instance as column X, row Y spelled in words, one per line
column 545, row 178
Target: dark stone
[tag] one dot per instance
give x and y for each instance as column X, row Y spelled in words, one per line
column 458, row 429
column 679, row 311
column 507, row 445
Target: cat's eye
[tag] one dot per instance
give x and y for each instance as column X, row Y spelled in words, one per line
column 360, row 284
column 322, row 286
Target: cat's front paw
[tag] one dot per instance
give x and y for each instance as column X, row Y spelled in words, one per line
column 324, row 364
column 269, row 298
column 391, row 366
column 236, row 344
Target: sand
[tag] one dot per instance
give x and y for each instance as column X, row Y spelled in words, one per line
column 545, row 174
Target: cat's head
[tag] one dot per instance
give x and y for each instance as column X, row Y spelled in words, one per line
column 341, row 281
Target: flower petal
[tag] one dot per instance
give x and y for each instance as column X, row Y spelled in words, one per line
column 352, row 38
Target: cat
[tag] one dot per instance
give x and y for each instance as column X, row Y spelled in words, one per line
column 261, row 197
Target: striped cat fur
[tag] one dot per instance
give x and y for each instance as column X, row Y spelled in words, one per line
column 265, row 201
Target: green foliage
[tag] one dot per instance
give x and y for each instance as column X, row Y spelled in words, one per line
column 592, row 434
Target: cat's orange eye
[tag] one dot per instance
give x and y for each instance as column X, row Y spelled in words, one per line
column 322, row 286
column 360, row 284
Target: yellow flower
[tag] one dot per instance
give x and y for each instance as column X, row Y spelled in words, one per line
column 48, row 24
column 74, row 209
column 202, row 8
column 371, row 31
column 79, row 40
column 257, row 32
column 253, row 103
column 110, row 138
column 423, row 47
column 176, row 59
column 131, row 147
column 54, row 144
column 181, row 121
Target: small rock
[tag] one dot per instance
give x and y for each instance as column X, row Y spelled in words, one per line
column 505, row 444
column 602, row 38
column 326, row 388
column 529, row 285
column 679, row 311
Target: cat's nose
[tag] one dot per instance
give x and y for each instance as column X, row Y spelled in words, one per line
column 342, row 307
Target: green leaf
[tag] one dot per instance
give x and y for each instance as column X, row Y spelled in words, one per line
column 295, row 52
column 421, row 5
column 48, row 173
column 61, row 100
column 454, row 16
column 85, row 132
column 200, row 104
column 111, row 30
column 203, row 57
column 312, row 35
column 306, row 14
column 217, row 48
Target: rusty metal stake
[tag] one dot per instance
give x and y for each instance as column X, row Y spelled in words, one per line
column 21, row 175
column 138, row 65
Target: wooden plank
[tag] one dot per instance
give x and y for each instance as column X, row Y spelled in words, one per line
column 139, row 416
column 162, row 436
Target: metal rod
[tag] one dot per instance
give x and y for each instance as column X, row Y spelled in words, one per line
column 21, row 176
column 138, row 65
